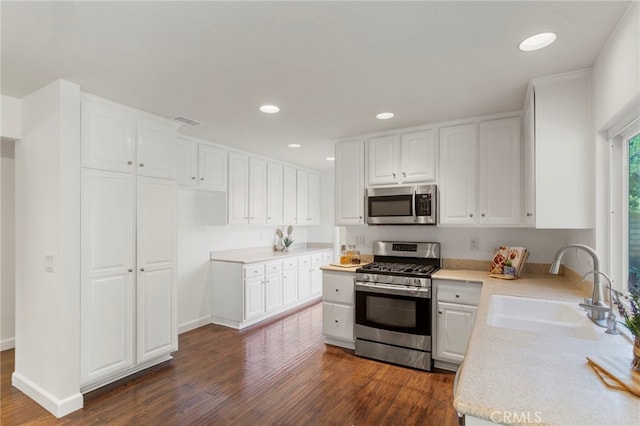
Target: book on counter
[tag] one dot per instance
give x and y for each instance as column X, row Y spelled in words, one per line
column 508, row 262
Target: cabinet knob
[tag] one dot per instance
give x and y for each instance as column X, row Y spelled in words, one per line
column 337, row 291
column 470, row 214
column 529, row 214
column 201, row 178
column 130, row 270
column 129, row 162
column 141, row 164
column 360, row 217
column 404, row 174
column 193, row 178
column 482, row 215
column 141, row 269
column 336, row 321
column 393, row 174
column 457, row 295
column 440, row 312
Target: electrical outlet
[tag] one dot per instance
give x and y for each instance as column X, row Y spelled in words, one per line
column 360, row 240
column 474, row 244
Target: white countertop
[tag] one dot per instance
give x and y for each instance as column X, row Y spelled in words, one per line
column 545, row 379
column 265, row 254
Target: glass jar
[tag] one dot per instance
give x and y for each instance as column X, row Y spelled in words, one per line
column 345, row 258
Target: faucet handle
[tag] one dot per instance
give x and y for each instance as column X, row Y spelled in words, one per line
column 594, row 308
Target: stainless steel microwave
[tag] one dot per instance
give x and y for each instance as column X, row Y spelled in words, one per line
column 401, row 205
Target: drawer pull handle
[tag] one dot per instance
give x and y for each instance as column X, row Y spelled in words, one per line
column 336, row 321
column 440, row 312
column 337, row 290
column 457, row 295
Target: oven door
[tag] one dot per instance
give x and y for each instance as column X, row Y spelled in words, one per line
column 393, row 308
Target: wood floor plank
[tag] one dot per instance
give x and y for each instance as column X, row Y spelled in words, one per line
column 281, row 373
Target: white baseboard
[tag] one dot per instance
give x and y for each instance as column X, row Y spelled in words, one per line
column 192, row 325
column 57, row 407
column 7, row 344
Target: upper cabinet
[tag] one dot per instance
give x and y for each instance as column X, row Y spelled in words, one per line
column 117, row 138
column 201, row 165
column 349, row 169
column 406, row 158
column 308, row 198
column 238, row 194
column 480, row 173
column 289, row 197
column 559, row 153
column 274, row 193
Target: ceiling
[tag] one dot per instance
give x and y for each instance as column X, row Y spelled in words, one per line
column 330, row 66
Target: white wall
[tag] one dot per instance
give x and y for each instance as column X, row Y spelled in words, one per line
column 197, row 237
column 47, row 196
column 10, row 122
column 616, row 96
column 7, row 249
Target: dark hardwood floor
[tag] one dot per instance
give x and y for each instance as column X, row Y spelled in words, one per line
column 278, row 374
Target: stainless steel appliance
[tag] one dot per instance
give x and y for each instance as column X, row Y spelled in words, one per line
column 401, row 205
column 393, row 303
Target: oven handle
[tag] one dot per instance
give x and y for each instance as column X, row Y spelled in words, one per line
column 421, row 292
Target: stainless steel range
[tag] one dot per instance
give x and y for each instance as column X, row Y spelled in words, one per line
column 393, row 303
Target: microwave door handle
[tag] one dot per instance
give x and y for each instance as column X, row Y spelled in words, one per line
column 413, row 206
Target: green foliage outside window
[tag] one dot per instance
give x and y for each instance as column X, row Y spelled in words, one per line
column 634, row 214
column 634, row 174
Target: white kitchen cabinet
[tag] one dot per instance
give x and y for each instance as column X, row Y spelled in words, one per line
column 201, row 165
column 453, row 318
column 289, row 201
column 457, row 187
column 383, row 159
column 273, row 291
column 128, row 318
column 499, row 159
column 274, row 193
column 120, row 139
column 289, row 281
column 308, row 198
column 349, row 174
column 257, row 191
column 400, row 159
column 559, row 153
column 316, row 274
column 480, row 177
column 254, row 298
column 304, row 277
column 338, row 308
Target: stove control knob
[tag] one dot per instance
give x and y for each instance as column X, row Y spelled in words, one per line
column 366, row 277
column 416, row 281
column 407, row 281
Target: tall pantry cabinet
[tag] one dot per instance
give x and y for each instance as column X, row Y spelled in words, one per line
column 128, row 239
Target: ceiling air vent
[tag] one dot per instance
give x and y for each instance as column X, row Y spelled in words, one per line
column 186, row 120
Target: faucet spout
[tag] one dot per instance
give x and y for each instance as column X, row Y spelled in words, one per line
column 597, row 293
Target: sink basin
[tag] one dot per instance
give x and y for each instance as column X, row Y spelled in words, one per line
column 542, row 316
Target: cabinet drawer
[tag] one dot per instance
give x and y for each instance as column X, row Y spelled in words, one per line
column 316, row 258
column 338, row 291
column 255, row 270
column 338, row 321
column 272, row 267
column 304, row 261
column 466, row 293
column 327, row 258
column 290, row 263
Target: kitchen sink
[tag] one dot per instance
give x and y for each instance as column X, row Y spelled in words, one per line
column 542, row 316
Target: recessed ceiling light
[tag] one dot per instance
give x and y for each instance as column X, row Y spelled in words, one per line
column 294, row 145
column 385, row 115
column 330, row 158
column 269, row 109
column 537, row 41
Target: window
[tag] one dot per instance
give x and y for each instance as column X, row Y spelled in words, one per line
column 624, row 230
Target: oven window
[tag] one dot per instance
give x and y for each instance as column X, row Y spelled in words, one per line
column 399, row 205
column 397, row 313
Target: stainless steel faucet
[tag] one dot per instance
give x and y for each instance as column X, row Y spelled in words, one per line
column 597, row 308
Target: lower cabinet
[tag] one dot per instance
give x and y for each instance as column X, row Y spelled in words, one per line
column 338, row 308
column 454, row 313
column 245, row 294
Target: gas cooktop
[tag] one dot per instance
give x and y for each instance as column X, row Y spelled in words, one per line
column 400, row 269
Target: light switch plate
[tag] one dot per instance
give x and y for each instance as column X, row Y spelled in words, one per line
column 49, row 263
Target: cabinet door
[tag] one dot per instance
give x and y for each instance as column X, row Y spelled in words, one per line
column 186, row 162
column 107, row 291
column 338, row 321
column 418, row 157
column 107, row 136
column 454, row 328
column 349, row 182
column 383, row 160
column 289, row 286
column 155, row 147
column 238, row 188
column 156, row 313
column 156, row 229
column 289, row 177
column 457, row 175
column 314, row 199
column 316, row 279
column 254, row 298
column 304, row 282
column 499, row 201
column 212, row 168
column 529, row 163
column 274, row 194
column 302, row 197
column 273, row 292
column 257, row 191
